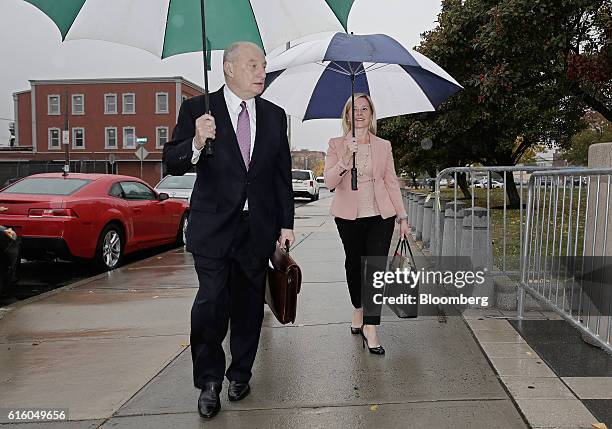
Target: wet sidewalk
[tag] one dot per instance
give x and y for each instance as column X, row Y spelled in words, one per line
column 113, row 350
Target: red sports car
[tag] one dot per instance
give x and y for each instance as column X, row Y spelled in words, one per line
column 98, row 217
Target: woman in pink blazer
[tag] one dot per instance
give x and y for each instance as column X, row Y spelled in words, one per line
column 365, row 218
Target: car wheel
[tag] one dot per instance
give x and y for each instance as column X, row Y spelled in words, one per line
column 181, row 235
column 109, row 250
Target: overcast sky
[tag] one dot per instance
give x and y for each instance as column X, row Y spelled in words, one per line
column 31, row 49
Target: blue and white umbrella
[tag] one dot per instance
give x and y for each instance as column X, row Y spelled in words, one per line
column 314, row 79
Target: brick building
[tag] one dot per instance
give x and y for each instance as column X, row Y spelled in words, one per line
column 105, row 116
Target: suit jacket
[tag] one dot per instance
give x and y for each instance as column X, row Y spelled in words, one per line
column 386, row 186
column 223, row 182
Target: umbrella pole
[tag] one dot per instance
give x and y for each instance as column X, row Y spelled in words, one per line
column 208, row 148
column 354, row 169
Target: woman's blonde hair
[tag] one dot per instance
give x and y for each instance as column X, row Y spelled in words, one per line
column 346, row 119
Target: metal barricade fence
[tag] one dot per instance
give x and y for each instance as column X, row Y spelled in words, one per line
column 565, row 254
column 491, row 184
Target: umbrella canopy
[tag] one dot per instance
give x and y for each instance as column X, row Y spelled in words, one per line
column 314, row 79
column 171, row 27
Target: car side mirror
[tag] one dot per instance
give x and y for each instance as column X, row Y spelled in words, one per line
column 163, row 196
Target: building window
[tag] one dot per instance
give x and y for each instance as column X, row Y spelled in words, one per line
column 129, row 104
column 78, row 138
column 110, row 104
column 129, row 138
column 110, row 138
column 161, row 137
column 53, row 105
column 161, row 102
column 78, row 104
column 54, row 138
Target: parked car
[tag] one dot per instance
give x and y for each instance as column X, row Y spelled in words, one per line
column 321, row 182
column 95, row 217
column 482, row 183
column 304, row 184
column 177, row 186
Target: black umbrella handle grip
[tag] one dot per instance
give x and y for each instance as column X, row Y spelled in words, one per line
column 208, row 148
column 354, row 179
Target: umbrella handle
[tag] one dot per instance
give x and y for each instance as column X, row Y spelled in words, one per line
column 208, row 148
column 354, row 175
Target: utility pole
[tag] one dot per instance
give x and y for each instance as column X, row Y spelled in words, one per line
column 66, row 138
column 288, row 116
column 11, row 134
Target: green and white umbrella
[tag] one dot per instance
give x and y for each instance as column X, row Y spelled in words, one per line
column 172, row 27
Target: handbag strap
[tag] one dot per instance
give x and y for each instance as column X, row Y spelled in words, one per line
column 399, row 242
column 411, row 255
column 402, row 246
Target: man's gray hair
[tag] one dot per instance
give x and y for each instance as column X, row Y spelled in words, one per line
column 230, row 53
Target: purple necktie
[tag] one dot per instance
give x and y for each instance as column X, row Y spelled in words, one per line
column 243, row 134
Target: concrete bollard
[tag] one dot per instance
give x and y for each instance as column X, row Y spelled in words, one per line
column 449, row 248
column 474, row 242
column 405, row 194
column 600, row 156
column 413, row 215
column 409, row 208
column 436, row 247
column 419, row 222
column 476, row 247
column 428, row 220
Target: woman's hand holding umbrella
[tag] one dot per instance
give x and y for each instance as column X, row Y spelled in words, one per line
column 350, row 143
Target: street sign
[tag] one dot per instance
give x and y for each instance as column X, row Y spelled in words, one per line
column 65, row 137
column 141, row 153
column 141, row 140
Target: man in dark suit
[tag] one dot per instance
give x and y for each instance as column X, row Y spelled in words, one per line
column 241, row 208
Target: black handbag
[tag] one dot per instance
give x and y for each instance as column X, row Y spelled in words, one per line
column 401, row 261
column 283, row 283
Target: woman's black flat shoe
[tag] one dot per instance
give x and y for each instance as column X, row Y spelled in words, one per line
column 355, row 331
column 374, row 350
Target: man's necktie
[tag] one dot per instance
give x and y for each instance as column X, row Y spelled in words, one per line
column 243, row 134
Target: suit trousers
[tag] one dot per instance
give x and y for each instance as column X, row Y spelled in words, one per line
column 231, row 292
column 361, row 238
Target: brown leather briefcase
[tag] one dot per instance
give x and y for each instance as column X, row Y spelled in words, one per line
column 283, row 285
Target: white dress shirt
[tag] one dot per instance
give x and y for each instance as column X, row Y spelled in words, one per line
column 232, row 101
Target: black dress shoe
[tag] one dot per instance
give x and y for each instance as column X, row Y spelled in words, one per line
column 355, row 331
column 208, row 402
column 238, row 390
